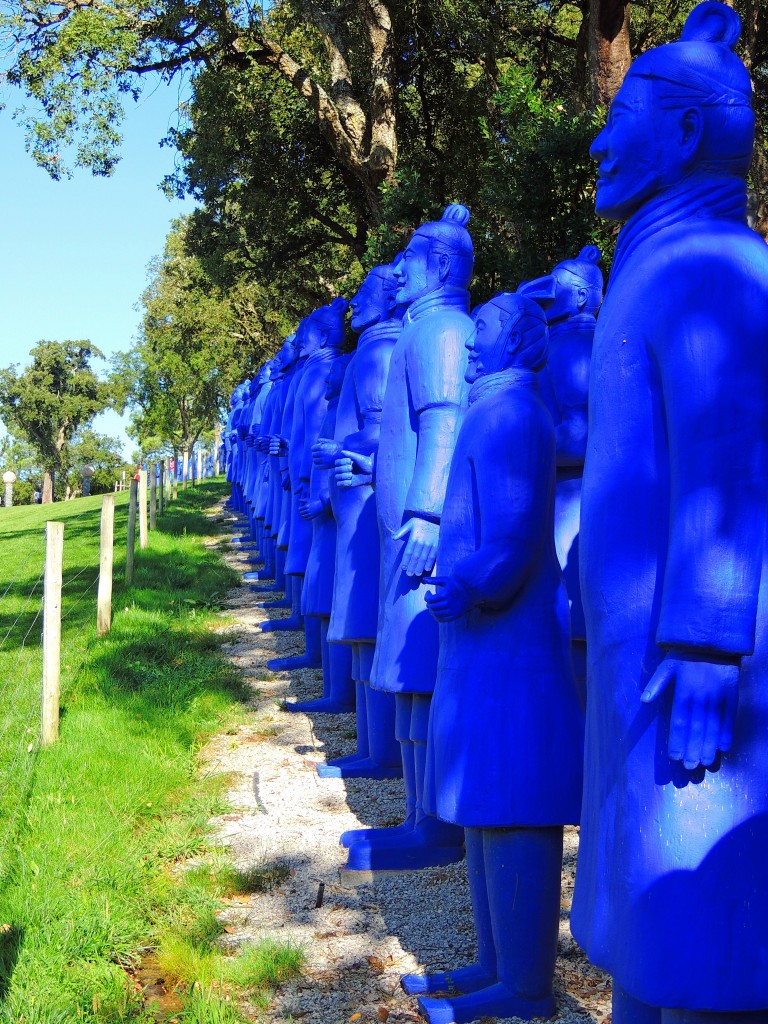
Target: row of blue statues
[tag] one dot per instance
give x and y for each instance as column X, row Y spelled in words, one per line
column 429, row 503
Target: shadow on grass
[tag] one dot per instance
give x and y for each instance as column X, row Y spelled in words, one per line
column 11, row 939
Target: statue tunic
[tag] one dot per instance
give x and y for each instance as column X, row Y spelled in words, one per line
column 317, row 593
column 308, row 412
column 263, row 481
column 506, row 727
column 283, row 523
column 356, row 583
column 423, row 403
column 670, row 890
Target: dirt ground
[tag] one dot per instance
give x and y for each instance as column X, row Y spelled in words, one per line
column 357, row 940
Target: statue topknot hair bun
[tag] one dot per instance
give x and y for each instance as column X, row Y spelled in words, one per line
column 457, row 213
column 339, row 305
column 590, row 254
column 712, row 22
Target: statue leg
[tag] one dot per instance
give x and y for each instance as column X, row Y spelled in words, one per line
column 333, row 769
column 522, row 869
column 312, row 656
column 430, row 843
column 295, row 620
column 382, row 760
column 267, row 573
column 338, row 687
column 401, row 728
column 276, row 568
column 483, row 973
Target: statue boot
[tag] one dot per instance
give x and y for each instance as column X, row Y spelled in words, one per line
column 520, row 868
column 311, row 658
column 338, row 684
column 295, row 620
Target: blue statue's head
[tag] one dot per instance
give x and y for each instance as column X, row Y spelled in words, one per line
column 335, row 377
column 288, row 353
column 376, row 298
column 683, row 109
column 510, row 330
column 254, row 385
column 439, row 253
column 324, row 328
column 574, row 286
column 265, row 373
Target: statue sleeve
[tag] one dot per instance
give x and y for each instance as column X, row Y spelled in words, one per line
column 436, row 364
column 513, row 467
column 711, row 357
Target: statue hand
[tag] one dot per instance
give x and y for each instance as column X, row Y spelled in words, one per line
column 706, row 695
column 324, row 453
column 353, row 469
column 451, row 601
column 421, row 550
column 310, row 508
column 277, row 445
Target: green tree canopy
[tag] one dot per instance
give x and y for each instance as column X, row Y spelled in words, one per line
column 47, row 403
column 191, row 352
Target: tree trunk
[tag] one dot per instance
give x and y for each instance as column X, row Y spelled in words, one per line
column 184, row 469
column 48, row 487
column 609, row 54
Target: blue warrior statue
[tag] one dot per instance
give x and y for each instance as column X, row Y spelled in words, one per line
column 571, row 297
column 321, row 337
column 378, row 318
column 317, row 595
column 671, row 896
column 505, row 747
column 423, row 405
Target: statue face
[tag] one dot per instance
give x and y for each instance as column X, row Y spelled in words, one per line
column 570, row 295
column 371, row 304
column 485, row 354
column 638, row 153
column 287, row 355
column 420, row 271
column 309, row 338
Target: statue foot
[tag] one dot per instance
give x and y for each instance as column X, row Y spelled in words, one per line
column 464, row 979
column 260, row 574
column 282, row 602
column 321, row 706
column 289, row 664
column 495, row 1001
column 268, row 588
column 294, row 622
column 410, row 851
column 355, row 835
column 359, row 768
column 244, row 543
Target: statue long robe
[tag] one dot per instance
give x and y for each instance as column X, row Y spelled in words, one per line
column 355, row 610
column 506, row 727
column 423, row 403
column 671, row 895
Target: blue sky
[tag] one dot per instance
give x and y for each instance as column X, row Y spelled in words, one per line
column 74, row 253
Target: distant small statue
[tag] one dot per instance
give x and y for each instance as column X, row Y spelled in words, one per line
column 506, row 728
column 671, row 896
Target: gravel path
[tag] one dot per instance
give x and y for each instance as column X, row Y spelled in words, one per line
column 360, row 940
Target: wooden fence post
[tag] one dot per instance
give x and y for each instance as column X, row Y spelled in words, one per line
column 130, row 549
column 143, row 525
column 106, row 553
column 54, row 555
column 161, row 492
column 153, row 498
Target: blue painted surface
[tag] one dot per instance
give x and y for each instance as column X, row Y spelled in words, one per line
column 670, row 891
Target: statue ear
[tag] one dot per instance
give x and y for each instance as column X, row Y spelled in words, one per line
column 443, row 265
column 324, row 336
column 691, row 131
column 582, row 294
column 514, row 341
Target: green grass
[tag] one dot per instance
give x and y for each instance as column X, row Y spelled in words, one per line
column 95, row 830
